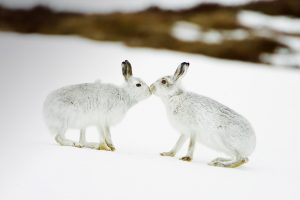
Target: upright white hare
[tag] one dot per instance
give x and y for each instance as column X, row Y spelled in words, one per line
column 97, row 104
column 205, row 120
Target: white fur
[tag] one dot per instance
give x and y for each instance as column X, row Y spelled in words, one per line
column 205, row 120
column 97, row 104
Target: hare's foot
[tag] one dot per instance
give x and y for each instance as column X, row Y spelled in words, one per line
column 112, row 147
column 186, row 158
column 176, row 148
column 104, row 146
column 65, row 142
column 77, row 144
column 170, row 153
column 91, row 145
column 222, row 162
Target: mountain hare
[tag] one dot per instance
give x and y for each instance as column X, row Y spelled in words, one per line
column 98, row 104
column 205, row 120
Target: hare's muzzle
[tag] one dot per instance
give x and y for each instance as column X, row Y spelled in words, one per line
column 152, row 88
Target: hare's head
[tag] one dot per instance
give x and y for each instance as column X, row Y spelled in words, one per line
column 170, row 85
column 136, row 87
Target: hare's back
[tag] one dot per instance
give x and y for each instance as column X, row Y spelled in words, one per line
column 213, row 113
column 85, row 97
column 70, row 96
column 85, row 104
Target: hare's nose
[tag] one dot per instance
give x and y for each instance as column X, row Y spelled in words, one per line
column 152, row 88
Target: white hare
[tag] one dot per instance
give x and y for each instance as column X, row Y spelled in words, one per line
column 205, row 120
column 97, row 104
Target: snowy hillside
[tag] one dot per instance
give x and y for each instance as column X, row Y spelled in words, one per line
column 34, row 167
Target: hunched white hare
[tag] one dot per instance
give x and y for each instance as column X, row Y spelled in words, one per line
column 97, row 104
column 205, row 120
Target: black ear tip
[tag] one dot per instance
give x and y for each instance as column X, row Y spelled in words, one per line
column 125, row 62
column 185, row 63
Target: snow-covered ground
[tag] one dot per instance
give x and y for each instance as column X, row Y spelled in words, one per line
column 274, row 27
column 257, row 20
column 105, row 6
column 192, row 32
column 292, row 57
column 34, row 167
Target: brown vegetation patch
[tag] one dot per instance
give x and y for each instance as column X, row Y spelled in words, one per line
column 149, row 28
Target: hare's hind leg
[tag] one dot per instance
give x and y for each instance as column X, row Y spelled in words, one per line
column 223, row 162
column 176, row 148
column 236, row 158
column 61, row 139
column 220, row 160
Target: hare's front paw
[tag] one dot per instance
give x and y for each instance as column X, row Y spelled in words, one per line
column 170, row 153
column 112, row 147
column 77, row 144
column 103, row 146
column 91, row 145
column 186, row 158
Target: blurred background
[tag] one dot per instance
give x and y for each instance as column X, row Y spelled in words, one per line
column 247, row 30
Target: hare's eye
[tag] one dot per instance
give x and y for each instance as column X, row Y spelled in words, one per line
column 163, row 82
column 138, row 85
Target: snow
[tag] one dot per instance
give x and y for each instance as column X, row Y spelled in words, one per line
column 285, row 57
column 292, row 42
column 190, row 32
column 103, row 6
column 269, row 26
column 186, row 31
column 258, row 21
column 282, row 59
column 34, row 167
column 237, row 34
column 212, row 37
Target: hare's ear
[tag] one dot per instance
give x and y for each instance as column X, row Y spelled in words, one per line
column 126, row 70
column 181, row 71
